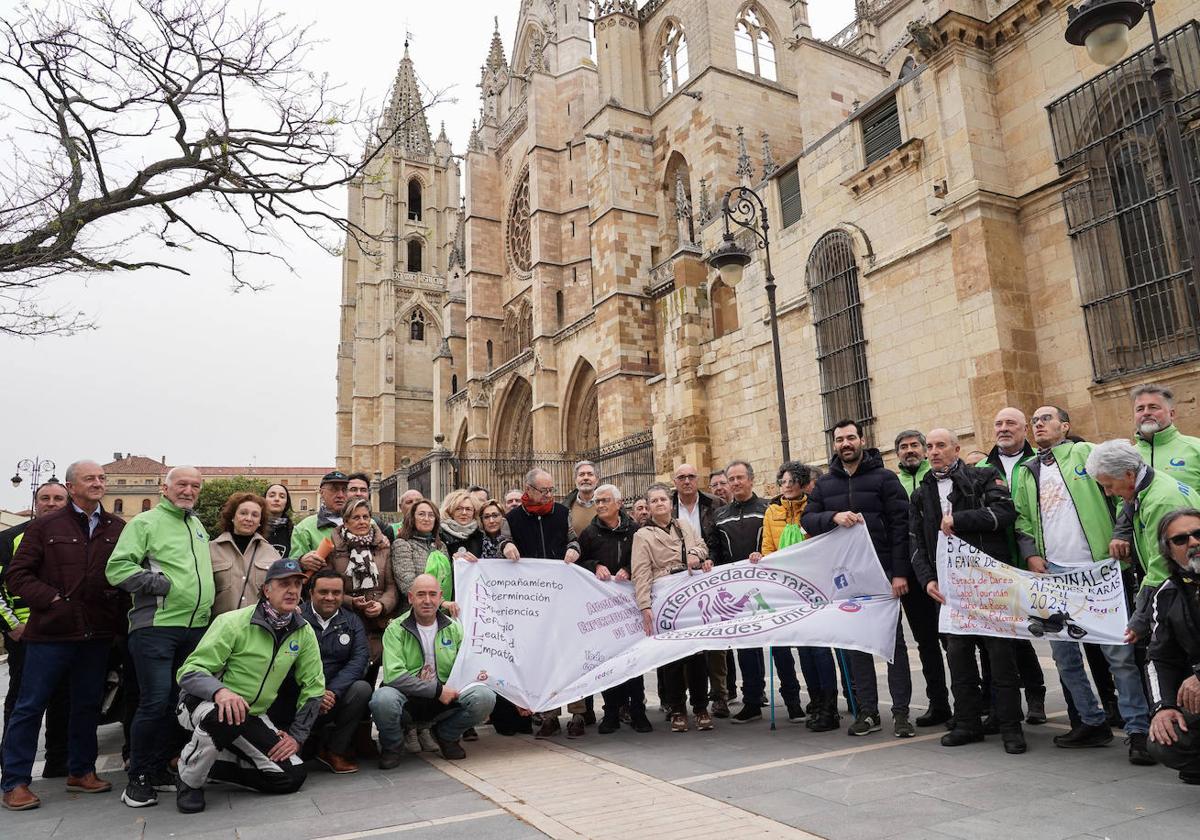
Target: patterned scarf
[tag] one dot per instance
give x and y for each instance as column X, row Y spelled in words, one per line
column 491, row 546
column 326, row 517
column 459, row 532
column 276, row 619
column 942, row 475
column 1046, row 456
column 360, row 565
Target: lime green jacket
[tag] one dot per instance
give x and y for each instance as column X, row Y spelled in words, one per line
column 1157, row 495
column 243, row 653
column 911, row 481
column 403, row 657
column 306, row 536
column 1177, row 455
column 161, row 558
column 1096, row 511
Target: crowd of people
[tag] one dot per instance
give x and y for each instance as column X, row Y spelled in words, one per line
column 248, row 655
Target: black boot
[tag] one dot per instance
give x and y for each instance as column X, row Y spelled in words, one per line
column 825, row 717
column 1014, row 740
column 1035, row 704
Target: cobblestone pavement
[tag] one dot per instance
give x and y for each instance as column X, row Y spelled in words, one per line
column 735, row 782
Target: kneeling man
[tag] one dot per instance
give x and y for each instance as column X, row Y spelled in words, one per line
column 252, row 649
column 419, row 649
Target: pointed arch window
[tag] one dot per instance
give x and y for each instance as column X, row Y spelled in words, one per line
column 416, row 255
column 491, row 362
column 832, row 275
column 416, row 326
column 454, row 383
column 753, row 44
column 673, row 59
column 414, row 200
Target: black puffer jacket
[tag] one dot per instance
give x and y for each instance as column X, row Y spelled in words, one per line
column 983, row 512
column 600, row 545
column 877, row 494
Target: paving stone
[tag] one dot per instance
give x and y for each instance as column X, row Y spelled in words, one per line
column 1045, row 819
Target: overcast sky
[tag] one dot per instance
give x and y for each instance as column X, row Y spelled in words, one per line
column 182, row 367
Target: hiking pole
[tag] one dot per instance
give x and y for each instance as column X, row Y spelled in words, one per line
column 846, row 682
column 771, row 684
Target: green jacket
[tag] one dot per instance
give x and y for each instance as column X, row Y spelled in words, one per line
column 1095, row 510
column 911, row 481
column 243, row 653
column 161, row 558
column 403, row 657
column 1175, row 454
column 306, row 536
column 1158, row 493
column 13, row 609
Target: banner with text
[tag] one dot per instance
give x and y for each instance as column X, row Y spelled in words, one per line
column 985, row 597
column 543, row 633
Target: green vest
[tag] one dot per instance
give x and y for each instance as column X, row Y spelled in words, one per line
column 911, row 481
column 1175, row 454
column 1161, row 496
column 1095, row 510
column 402, row 653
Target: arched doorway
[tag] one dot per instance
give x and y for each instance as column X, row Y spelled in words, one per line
column 581, row 423
column 514, row 420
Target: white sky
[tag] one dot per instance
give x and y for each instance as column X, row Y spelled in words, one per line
column 182, row 367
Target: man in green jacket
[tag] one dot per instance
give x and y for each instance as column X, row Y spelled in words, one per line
column 162, row 560
column 1159, row 440
column 1149, row 495
column 309, row 532
column 910, row 452
column 230, row 681
column 1064, row 522
column 419, row 649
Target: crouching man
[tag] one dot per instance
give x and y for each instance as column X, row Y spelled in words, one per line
column 419, row 649
column 252, row 649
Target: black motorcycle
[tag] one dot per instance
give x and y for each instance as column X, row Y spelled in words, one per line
column 1054, row 624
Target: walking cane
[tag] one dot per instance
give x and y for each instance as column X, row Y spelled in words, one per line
column 846, row 683
column 771, row 685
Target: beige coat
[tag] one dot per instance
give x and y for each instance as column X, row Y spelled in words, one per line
column 657, row 552
column 239, row 577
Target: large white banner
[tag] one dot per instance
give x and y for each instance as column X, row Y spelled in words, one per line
column 985, row 597
column 543, row 633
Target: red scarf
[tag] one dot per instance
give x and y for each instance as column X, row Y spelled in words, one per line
column 536, row 508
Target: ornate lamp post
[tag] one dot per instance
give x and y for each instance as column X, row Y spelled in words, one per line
column 1102, row 26
column 745, row 208
column 33, row 467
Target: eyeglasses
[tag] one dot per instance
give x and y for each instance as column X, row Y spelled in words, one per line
column 1041, row 418
column 1181, row 540
column 544, row 491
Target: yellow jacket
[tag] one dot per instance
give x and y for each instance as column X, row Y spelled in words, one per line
column 780, row 513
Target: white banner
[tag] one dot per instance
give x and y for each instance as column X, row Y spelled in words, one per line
column 543, row 633
column 985, row 597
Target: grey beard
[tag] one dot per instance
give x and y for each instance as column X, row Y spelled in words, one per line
column 1149, row 429
column 1194, row 560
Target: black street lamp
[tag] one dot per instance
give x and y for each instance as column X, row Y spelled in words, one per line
column 745, row 208
column 1102, row 26
column 33, row 467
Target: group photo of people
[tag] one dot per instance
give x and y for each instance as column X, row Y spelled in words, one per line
column 271, row 648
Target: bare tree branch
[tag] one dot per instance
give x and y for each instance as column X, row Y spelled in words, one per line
column 141, row 114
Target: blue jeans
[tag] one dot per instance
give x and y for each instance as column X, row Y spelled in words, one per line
column 1131, row 697
column 154, row 734
column 388, row 706
column 84, row 665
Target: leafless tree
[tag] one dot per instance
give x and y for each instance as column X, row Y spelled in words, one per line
column 128, row 122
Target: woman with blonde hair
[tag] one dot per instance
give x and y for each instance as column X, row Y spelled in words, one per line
column 460, row 530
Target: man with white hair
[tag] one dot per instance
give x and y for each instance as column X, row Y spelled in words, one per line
column 606, row 550
column 580, row 502
column 162, row 560
column 1149, row 495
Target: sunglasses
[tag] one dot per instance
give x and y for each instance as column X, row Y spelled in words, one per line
column 1181, row 540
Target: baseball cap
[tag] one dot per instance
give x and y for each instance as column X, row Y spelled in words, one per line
column 335, row 477
column 285, row 568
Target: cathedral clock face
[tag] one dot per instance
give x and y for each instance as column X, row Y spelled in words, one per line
column 517, row 240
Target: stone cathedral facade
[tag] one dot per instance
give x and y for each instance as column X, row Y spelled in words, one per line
column 956, row 225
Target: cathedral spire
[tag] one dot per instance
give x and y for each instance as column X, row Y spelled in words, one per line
column 405, row 113
column 496, row 60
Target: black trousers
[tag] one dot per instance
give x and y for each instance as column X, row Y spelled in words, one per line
column 57, row 713
column 209, row 753
column 965, row 680
column 690, row 673
column 1184, row 754
column 631, row 693
column 922, row 614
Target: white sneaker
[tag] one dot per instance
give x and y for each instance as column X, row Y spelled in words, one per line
column 411, row 744
column 428, row 742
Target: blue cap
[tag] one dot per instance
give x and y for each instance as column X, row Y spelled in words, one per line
column 285, row 568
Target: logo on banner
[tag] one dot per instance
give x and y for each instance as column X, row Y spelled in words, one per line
column 708, row 600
